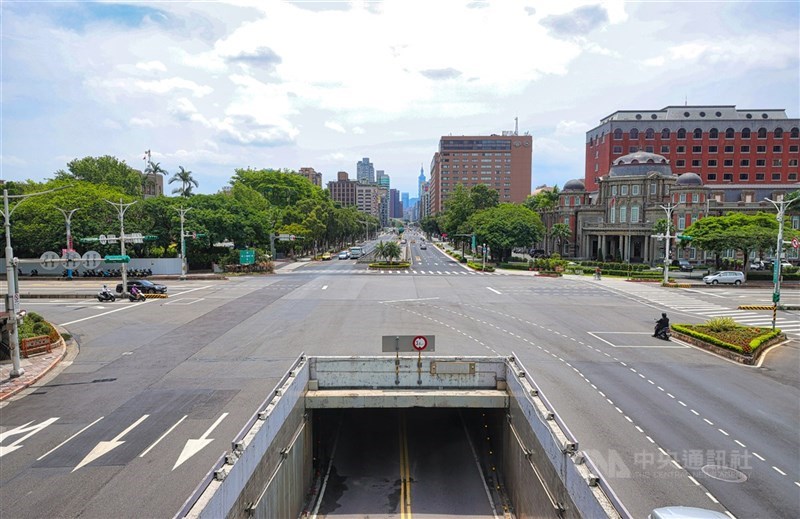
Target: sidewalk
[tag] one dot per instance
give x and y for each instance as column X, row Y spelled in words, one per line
column 35, row 367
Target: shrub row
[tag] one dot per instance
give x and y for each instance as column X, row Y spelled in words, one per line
column 387, row 265
column 479, row 266
column 34, row 325
column 752, row 346
column 615, row 266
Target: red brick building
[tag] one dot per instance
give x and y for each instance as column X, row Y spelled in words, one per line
column 501, row 162
column 722, row 144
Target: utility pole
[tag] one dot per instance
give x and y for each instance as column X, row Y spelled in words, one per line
column 669, row 208
column 68, row 217
column 121, row 208
column 184, row 265
column 12, row 297
column 780, row 206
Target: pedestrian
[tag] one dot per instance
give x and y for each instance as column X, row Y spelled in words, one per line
column 597, row 273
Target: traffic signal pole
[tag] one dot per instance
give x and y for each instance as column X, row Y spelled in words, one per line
column 669, row 208
column 780, row 206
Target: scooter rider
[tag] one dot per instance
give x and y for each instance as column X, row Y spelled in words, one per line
column 661, row 324
column 105, row 291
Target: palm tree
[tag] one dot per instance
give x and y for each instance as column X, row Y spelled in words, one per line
column 380, row 250
column 155, row 168
column 391, row 251
column 560, row 232
column 185, row 178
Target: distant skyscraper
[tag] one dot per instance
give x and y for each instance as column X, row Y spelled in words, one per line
column 420, row 181
column 382, row 178
column 365, row 171
column 404, row 199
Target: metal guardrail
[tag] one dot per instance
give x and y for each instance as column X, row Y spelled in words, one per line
column 201, row 487
column 606, row 488
column 249, row 424
column 571, row 437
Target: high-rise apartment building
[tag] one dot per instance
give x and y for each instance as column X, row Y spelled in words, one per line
column 501, row 162
column 365, row 171
column 382, row 179
column 404, row 198
column 395, row 206
column 343, row 190
column 313, row 176
column 721, row 144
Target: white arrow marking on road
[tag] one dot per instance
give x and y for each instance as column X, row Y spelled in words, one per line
column 40, row 458
column 163, row 436
column 22, row 429
column 493, row 290
column 194, row 446
column 107, row 446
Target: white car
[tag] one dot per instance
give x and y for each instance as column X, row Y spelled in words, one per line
column 731, row 277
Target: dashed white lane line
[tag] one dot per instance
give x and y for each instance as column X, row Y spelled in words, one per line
column 495, row 291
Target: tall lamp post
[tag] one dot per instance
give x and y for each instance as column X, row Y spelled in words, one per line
column 669, row 208
column 184, row 266
column 68, row 217
column 780, row 206
column 12, row 298
column 121, row 208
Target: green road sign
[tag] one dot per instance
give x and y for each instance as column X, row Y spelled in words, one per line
column 117, row 259
column 247, row 257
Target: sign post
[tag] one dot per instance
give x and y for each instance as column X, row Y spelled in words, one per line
column 408, row 343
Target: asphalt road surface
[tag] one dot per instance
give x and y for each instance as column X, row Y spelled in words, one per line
column 129, row 426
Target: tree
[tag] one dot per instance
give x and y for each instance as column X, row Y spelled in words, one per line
column 560, row 232
column 391, row 251
column 104, row 170
column 483, row 197
column 187, row 181
column 505, row 227
column 155, row 168
column 544, row 200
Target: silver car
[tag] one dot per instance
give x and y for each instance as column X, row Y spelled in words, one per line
column 730, row 277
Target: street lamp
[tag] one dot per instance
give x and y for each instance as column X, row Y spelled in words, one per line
column 12, row 298
column 668, row 209
column 184, row 266
column 68, row 217
column 121, row 208
column 780, row 206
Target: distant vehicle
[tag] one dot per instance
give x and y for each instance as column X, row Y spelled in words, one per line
column 344, row 255
column 685, row 512
column 326, row 256
column 403, row 241
column 729, row 277
column 356, row 252
column 683, row 264
column 144, row 286
column 423, row 246
column 537, row 253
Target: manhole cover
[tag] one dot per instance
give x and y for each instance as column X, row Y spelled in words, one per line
column 723, row 473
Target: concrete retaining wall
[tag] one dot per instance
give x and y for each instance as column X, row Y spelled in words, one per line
column 159, row 266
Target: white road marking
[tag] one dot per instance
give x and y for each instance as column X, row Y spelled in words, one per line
column 67, row 440
column 163, row 436
column 193, row 446
column 22, row 429
column 104, row 447
column 779, row 471
column 325, row 287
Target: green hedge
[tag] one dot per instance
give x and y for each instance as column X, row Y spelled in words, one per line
column 514, row 266
column 479, row 266
column 386, row 265
column 615, row 266
column 754, row 344
column 34, row 325
column 767, row 274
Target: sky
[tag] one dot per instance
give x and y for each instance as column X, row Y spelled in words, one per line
column 215, row 86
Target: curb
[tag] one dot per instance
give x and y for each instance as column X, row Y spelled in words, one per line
column 36, row 379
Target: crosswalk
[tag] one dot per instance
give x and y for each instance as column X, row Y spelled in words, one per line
column 678, row 301
column 398, row 272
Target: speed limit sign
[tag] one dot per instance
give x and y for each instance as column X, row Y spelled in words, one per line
column 420, row 342
column 795, row 242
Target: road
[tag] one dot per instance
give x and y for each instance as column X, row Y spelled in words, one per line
column 663, row 421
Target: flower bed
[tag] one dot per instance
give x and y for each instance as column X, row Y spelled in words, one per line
column 740, row 343
column 389, row 265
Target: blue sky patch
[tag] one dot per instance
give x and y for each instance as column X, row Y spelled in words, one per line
column 78, row 15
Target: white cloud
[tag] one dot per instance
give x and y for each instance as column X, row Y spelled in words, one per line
column 151, row 66
column 163, row 86
column 358, row 130
column 333, row 125
column 571, row 128
column 141, row 121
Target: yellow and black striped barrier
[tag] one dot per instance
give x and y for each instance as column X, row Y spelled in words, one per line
column 155, row 296
column 755, row 307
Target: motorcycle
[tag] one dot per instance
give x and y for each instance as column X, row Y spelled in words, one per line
column 662, row 333
column 138, row 296
column 106, row 296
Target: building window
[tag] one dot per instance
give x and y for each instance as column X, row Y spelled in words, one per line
column 695, row 198
column 728, row 149
column 623, row 190
column 633, row 149
column 727, row 177
column 653, row 188
column 746, row 133
column 794, row 148
column 777, row 149
column 696, row 163
column 613, row 215
column 762, row 133
column 728, row 163
column 664, row 149
column 777, row 163
column 794, row 133
column 617, row 134
column 681, row 134
column 681, row 222
column 729, row 133
column 613, row 190
column 761, row 176
column 713, row 149
column 712, row 163
column 649, row 134
column 745, row 163
column 596, row 167
column 623, row 214
column 697, row 149
column 745, row 149
column 566, row 220
column 744, row 176
column 778, row 133
column 793, row 177
column 634, row 133
column 681, row 149
column 635, row 190
column 680, row 163
column 793, row 163
column 634, row 214
column 616, row 150
column 776, row 177
column 713, row 133
column 712, row 176
column 761, row 163
column 697, row 133
column 682, row 198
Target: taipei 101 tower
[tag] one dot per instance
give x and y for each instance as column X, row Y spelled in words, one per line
column 420, row 181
